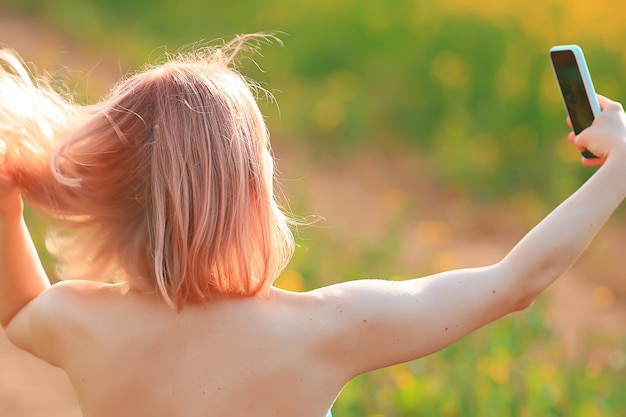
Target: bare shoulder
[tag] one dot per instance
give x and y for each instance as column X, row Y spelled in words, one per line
column 68, row 297
column 60, row 314
column 73, row 289
column 303, row 315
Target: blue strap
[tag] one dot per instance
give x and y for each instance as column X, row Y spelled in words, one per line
column 330, row 414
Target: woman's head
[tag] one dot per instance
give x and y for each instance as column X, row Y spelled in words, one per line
column 171, row 178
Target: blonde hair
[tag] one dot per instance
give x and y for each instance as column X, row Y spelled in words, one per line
column 168, row 180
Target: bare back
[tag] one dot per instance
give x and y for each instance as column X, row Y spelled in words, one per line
column 129, row 354
column 287, row 354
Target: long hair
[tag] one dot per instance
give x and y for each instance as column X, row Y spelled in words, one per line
column 168, row 180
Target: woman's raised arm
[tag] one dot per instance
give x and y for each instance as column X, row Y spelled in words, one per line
column 371, row 324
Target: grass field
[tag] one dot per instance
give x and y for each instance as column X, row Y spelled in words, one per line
column 430, row 136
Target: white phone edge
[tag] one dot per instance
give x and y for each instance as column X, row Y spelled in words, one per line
column 584, row 73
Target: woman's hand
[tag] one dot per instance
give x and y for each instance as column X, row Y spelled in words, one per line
column 606, row 137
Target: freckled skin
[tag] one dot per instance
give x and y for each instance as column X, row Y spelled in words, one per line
column 287, row 354
column 137, row 357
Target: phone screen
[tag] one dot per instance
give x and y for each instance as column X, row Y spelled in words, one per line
column 572, row 89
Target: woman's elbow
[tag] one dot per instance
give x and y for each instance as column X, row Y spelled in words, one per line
column 522, row 303
column 525, row 284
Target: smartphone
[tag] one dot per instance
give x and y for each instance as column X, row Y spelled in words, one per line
column 579, row 96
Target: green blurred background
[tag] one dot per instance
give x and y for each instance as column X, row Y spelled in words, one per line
column 420, row 130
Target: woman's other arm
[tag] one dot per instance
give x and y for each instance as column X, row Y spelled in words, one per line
column 22, row 277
